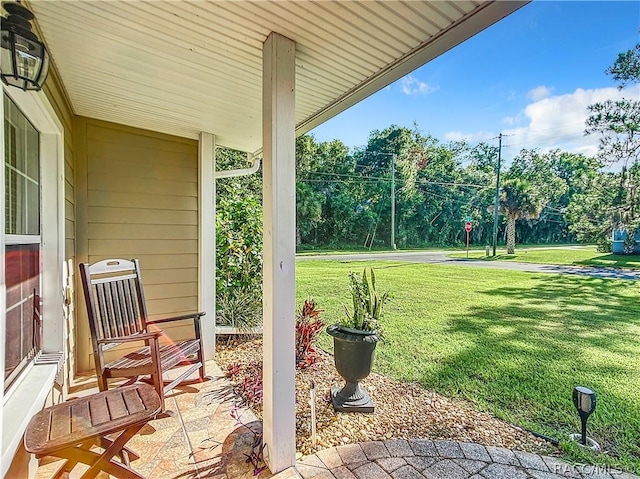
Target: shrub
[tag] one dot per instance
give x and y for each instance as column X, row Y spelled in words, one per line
column 239, row 259
column 630, row 241
column 240, row 307
column 308, row 328
column 604, row 245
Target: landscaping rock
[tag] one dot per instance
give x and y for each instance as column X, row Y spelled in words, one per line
column 403, row 411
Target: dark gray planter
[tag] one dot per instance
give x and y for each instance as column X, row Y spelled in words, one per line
column 354, row 351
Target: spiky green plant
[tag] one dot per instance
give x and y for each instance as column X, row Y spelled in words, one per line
column 368, row 304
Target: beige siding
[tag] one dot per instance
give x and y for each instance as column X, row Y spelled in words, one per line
column 139, row 193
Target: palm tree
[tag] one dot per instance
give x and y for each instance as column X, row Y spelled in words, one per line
column 518, row 199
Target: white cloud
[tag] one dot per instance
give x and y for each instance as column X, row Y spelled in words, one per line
column 559, row 121
column 539, row 93
column 553, row 122
column 412, row 86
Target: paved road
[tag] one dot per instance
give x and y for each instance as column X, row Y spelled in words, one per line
column 439, row 257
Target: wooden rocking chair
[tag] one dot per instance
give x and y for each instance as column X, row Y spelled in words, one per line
column 118, row 315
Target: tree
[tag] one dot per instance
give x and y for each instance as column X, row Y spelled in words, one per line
column 626, row 69
column 605, row 203
column 618, row 124
column 518, row 199
column 579, row 173
column 545, row 187
column 322, row 170
column 238, row 244
column 308, row 210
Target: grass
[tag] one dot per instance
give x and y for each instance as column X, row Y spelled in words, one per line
column 512, row 343
column 583, row 256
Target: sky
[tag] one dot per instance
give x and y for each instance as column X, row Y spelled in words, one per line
column 530, row 77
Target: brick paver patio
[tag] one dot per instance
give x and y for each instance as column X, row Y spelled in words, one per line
column 425, row 459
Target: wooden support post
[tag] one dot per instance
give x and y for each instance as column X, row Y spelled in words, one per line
column 207, row 241
column 279, row 199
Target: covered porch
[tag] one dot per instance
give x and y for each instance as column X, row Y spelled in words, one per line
column 139, row 96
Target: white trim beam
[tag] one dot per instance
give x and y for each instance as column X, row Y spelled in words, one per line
column 485, row 15
column 207, row 241
column 279, row 200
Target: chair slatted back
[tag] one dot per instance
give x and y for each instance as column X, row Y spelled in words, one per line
column 114, row 297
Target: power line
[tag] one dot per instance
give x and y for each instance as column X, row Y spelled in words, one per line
column 347, row 175
column 374, row 179
column 338, row 180
column 444, row 183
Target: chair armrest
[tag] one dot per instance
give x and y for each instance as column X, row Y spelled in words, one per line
column 135, row 337
column 195, row 316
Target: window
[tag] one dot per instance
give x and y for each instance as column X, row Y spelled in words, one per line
column 22, row 240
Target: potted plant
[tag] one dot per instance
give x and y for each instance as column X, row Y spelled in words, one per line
column 354, row 342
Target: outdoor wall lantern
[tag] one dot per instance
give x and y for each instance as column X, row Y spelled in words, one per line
column 585, row 401
column 24, row 61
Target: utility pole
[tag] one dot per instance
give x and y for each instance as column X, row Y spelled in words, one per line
column 393, row 201
column 497, row 198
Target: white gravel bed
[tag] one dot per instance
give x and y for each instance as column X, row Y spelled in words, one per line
column 402, row 410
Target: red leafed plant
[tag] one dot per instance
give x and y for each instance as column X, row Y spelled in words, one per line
column 248, row 378
column 308, row 328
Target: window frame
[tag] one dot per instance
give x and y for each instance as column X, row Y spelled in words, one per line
column 27, row 393
column 25, row 239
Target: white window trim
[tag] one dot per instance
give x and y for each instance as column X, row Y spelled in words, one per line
column 37, row 380
column 21, row 239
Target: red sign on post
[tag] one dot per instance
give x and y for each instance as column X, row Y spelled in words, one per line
column 467, row 227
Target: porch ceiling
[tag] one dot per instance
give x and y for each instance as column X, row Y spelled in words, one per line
column 182, row 67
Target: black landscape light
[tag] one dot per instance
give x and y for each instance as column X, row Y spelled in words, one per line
column 24, row 58
column 584, row 400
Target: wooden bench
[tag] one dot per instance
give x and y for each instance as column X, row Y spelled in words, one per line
column 69, row 430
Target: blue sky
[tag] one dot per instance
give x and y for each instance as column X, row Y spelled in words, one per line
column 529, row 76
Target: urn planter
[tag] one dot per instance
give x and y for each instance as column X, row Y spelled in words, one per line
column 354, row 351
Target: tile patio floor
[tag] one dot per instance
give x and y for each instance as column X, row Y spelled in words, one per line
column 203, row 440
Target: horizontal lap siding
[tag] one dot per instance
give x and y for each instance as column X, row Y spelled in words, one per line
column 142, row 202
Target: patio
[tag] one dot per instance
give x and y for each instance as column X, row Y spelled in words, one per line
column 203, row 439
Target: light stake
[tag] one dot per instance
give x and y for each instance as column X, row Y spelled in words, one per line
column 584, row 400
column 312, row 390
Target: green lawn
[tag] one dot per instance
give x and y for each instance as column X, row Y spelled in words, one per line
column 584, row 256
column 512, row 343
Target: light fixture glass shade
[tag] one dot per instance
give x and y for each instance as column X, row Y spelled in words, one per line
column 24, row 60
column 584, row 400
